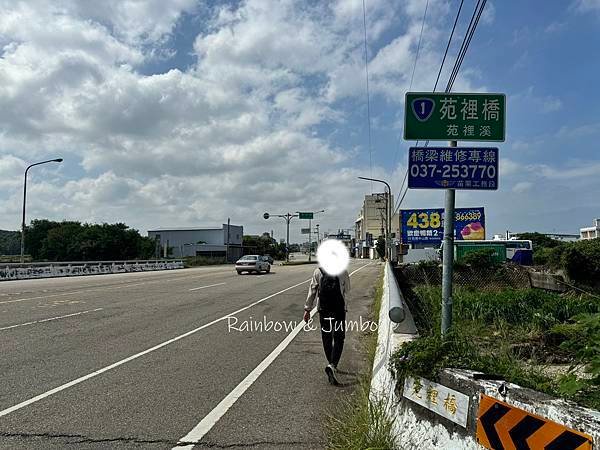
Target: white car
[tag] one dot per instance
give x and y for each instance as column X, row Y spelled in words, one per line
column 252, row 263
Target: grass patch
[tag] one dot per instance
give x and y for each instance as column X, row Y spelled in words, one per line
column 361, row 422
column 518, row 334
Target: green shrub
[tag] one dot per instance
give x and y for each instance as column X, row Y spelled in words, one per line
column 193, row 261
column 580, row 260
column 511, row 333
column 482, row 259
column 541, row 256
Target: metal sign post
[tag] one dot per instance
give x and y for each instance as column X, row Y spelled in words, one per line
column 453, row 116
column 448, row 258
column 288, row 217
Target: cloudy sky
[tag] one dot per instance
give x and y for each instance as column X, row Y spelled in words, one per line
column 185, row 112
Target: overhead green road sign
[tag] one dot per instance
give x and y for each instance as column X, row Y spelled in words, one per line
column 454, row 117
column 305, row 215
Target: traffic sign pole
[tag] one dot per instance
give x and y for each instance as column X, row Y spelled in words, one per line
column 448, row 258
column 309, row 239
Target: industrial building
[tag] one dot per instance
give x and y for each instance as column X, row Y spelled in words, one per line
column 222, row 242
column 592, row 232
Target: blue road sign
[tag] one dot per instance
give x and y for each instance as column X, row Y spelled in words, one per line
column 453, row 168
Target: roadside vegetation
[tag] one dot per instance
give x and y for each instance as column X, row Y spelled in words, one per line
column 360, row 422
column 10, row 242
column 580, row 260
column 47, row 240
column 194, row 261
column 545, row 341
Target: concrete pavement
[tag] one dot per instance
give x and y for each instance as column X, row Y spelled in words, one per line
column 140, row 360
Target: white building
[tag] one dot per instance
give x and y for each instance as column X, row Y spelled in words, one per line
column 210, row 242
column 590, row 232
column 371, row 221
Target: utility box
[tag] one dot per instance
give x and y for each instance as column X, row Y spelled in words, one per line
column 460, row 250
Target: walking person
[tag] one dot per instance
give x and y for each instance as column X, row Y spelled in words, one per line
column 330, row 293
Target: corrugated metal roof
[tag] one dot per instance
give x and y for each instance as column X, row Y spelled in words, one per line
column 224, row 226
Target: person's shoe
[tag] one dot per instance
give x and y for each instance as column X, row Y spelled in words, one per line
column 330, row 371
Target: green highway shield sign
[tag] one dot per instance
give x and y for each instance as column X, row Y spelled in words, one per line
column 305, row 215
column 454, row 117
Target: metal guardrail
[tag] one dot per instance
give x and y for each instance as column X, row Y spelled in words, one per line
column 18, row 271
column 398, row 311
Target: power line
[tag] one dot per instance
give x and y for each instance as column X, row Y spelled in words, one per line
column 418, row 45
column 463, row 49
column 448, row 46
column 368, row 95
column 411, row 82
column 470, row 32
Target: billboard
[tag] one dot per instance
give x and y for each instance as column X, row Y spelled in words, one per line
column 426, row 226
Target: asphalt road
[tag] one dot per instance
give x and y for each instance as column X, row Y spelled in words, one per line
column 163, row 359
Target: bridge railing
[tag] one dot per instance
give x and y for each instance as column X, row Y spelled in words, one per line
column 18, row 271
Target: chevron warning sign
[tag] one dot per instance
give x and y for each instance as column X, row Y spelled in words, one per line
column 501, row 426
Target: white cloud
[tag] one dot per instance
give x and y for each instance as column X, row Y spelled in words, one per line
column 234, row 136
column 584, row 6
column 489, row 14
column 589, row 129
column 529, row 99
column 551, row 104
column 522, row 186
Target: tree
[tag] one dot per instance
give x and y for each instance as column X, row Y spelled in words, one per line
column 10, row 242
column 73, row 241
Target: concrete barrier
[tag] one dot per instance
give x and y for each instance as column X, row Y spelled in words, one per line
column 419, row 427
column 390, row 336
column 15, row 271
column 427, row 427
column 547, row 281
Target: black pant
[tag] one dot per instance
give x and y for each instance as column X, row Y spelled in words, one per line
column 333, row 332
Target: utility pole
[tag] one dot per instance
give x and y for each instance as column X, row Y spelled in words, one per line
column 309, row 239
column 448, row 258
column 227, row 248
column 311, row 213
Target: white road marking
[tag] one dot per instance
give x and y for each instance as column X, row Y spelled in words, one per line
column 42, row 396
column 124, row 285
column 204, row 287
column 205, row 425
column 50, row 319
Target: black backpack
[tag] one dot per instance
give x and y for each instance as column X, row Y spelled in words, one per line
column 330, row 294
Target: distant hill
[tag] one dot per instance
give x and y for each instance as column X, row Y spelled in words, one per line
column 10, row 242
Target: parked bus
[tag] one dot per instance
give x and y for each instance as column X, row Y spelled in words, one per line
column 519, row 251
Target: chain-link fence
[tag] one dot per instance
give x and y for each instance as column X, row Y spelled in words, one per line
column 502, row 277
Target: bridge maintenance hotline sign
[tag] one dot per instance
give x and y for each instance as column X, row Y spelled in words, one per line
column 474, row 168
column 426, row 226
column 503, row 426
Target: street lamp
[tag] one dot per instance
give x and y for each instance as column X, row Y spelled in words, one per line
column 288, row 217
column 310, row 232
column 57, row 160
column 388, row 213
